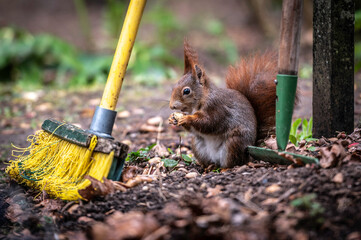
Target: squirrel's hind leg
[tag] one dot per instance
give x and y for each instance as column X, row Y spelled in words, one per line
column 237, row 149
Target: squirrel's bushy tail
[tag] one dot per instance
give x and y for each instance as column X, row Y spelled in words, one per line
column 254, row 77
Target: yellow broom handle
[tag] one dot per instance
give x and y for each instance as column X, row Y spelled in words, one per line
column 122, row 54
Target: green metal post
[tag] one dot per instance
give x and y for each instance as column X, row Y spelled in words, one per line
column 286, row 91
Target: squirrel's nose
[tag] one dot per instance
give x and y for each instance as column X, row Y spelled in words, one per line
column 174, row 105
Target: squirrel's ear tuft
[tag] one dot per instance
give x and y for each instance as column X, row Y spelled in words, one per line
column 190, row 57
column 198, row 72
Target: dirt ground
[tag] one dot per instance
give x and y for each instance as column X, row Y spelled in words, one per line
column 255, row 201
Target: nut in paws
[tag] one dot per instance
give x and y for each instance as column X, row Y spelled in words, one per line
column 174, row 118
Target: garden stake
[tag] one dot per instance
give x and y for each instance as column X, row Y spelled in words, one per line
column 61, row 155
column 286, row 86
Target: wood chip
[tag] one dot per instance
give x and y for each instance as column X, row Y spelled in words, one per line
column 155, row 121
column 214, row 191
column 273, row 188
column 123, row 114
column 191, row 175
column 270, row 201
column 338, row 178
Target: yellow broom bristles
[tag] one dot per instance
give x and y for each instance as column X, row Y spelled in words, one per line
column 58, row 166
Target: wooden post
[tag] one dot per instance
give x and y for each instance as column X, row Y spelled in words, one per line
column 289, row 47
column 333, row 67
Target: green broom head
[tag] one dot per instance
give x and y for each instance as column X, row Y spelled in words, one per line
column 61, row 155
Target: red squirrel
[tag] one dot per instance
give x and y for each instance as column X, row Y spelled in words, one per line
column 224, row 121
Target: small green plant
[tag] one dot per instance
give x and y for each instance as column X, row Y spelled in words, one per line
column 305, row 134
column 169, row 163
column 309, row 204
column 26, row 58
column 217, row 170
column 188, row 159
column 170, row 151
column 141, row 155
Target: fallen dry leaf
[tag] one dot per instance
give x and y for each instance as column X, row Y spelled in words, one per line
column 291, row 148
column 219, row 206
column 131, row 225
column 154, row 161
column 85, row 219
column 356, row 135
column 129, row 173
column 248, row 195
column 98, row 188
column 73, row 208
column 136, row 181
column 158, row 234
column 160, row 150
column 291, row 158
column 331, row 156
column 51, row 204
column 271, row 142
column 14, row 213
column 214, row 191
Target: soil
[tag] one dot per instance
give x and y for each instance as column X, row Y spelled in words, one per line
column 254, row 201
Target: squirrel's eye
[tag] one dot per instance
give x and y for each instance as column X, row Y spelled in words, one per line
column 186, row 91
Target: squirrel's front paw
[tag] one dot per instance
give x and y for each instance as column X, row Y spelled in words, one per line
column 182, row 121
column 174, row 118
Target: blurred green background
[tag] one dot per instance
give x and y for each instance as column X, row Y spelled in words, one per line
column 67, row 44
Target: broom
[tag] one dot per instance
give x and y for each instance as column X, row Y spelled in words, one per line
column 61, row 155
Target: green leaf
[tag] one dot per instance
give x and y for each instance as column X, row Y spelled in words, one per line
column 304, row 129
column 294, row 127
column 170, row 151
column 310, row 126
column 304, row 201
column 187, row 158
column 141, row 154
column 218, row 170
column 312, row 148
column 169, row 162
column 293, row 140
